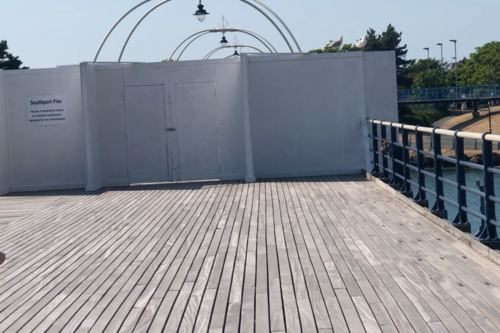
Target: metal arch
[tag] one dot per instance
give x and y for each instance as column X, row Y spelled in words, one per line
column 165, row 1
column 137, row 25
column 214, row 51
column 248, row 32
column 211, row 53
column 114, row 26
column 281, row 21
column 204, row 32
column 274, row 23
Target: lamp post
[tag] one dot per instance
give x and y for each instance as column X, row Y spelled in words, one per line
column 442, row 60
column 456, row 67
column 428, row 59
column 201, row 13
column 223, row 25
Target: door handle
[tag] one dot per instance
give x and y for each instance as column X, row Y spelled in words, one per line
column 170, row 129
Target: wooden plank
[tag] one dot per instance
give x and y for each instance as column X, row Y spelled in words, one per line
column 229, row 248
column 247, row 322
column 95, row 289
column 306, row 254
column 49, row 293
column 464, row 320
column 261, row 288
column 90, row 314
column 440, row 310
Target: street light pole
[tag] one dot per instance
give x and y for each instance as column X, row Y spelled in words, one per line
column 442, row 60
column 456, row 67
column 428, row 59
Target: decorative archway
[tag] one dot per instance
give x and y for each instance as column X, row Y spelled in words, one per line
column 199, row 34
column 166, row 1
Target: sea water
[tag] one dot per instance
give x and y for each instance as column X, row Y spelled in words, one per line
column 450, row 192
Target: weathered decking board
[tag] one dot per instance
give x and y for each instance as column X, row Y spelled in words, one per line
column 16, row 206
column 313, row 254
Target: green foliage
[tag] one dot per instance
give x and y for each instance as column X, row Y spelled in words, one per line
column 344, row 48
column 430, row 78
column 390, row 40
column 420, row 67
column 7, row 60
column 423, row 116
column 483, row 66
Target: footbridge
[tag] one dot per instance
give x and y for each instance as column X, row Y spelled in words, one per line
column 448, row 94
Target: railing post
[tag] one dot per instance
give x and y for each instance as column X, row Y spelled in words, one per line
column 376, row 170
column 385, row 165
column 421, row 197
column 460, row 220
column 395, row 182
column 487, row 233
column 438, row 209
column 406, row 188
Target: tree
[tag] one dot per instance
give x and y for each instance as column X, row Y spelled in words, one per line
column 344, row 48
column 483, row 66
column 429, row 79
column 388, row 41
column 424, row 73
column 7, row 60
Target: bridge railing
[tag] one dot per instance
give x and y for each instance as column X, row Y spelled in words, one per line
column 444, row 93
column 390, row 149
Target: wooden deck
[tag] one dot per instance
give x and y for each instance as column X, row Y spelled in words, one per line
column 14, row 207
column 320, row 254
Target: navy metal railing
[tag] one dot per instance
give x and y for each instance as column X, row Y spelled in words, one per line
column 391, row 163
column 443, row 93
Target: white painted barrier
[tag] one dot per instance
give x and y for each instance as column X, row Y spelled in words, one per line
column 254, row 117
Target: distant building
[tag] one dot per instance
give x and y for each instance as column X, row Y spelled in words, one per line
column 460, row 63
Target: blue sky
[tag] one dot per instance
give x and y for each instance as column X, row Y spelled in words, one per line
column 46, row 33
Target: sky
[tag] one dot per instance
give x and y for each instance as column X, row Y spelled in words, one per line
column 48, row 33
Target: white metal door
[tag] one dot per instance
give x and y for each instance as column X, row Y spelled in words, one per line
column 196, row 131
column 147, row 134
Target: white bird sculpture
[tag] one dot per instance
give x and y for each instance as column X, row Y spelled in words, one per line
column 361, row 43
column 335, row 44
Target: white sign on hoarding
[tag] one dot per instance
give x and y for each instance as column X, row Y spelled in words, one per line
column 46, row 110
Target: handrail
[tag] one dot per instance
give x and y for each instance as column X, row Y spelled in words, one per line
column 391, row 163
column 464, row 135
column 488, row 92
